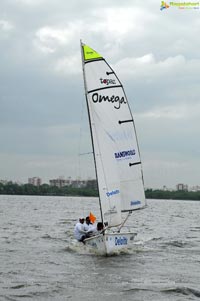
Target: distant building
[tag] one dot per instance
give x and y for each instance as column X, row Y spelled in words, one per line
column 79, row 183
column 181, row 187
column 35, row 181
column 195, row 188
column 92, row 184
column 60, row 182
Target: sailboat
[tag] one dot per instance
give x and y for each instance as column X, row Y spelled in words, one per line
column 116, row 153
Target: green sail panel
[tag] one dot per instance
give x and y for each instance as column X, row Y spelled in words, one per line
column 90, row 54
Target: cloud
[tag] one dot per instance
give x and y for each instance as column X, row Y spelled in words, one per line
column 154, row 53
column 161, row 85
column 120, row 22
column 31, row 2
column 176, row 112
column 6, row 26
column 148, row 67
column 171, row 167
column 49, row 39
column 68, row 65
column 49, row 140
column 110, row 27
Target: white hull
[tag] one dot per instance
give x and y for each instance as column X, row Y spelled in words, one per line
column 110, row 243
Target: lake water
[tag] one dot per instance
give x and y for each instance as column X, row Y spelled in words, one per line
column 40, row 261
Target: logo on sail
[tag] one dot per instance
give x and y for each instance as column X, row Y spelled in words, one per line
column 116, row 100
column 134, row 203
column 125, row 154
column 107, row 81
column 113, row 192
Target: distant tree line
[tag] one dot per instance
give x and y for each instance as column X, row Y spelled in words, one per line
column 173, row 195
column 45, row 189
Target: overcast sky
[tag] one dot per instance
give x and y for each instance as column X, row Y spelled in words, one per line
column 155, row 54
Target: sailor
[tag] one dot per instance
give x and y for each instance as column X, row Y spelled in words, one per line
column 79, row 232
column 87, row 223
column 100, row 227
column 89, row 227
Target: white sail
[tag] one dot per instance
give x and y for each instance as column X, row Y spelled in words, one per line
column 116, row 153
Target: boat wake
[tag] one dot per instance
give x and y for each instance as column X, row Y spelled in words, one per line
column 182, row 290
column 186, row 291
column 77, row 247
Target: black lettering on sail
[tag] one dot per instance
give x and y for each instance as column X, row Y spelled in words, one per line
column 103, row 98
column 98, row 98
column 117, row 100
column 95, row 97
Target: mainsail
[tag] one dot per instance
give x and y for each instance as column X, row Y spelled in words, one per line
column 115, row 146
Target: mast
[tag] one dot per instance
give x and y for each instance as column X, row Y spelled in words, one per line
column 89, row 119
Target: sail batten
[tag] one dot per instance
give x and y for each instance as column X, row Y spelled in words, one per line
column 114, row 140
column 104, row 88
column 141, row 208
column 124, row 121
column 136, row 163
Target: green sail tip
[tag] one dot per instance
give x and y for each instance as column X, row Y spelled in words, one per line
column 90, row 54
